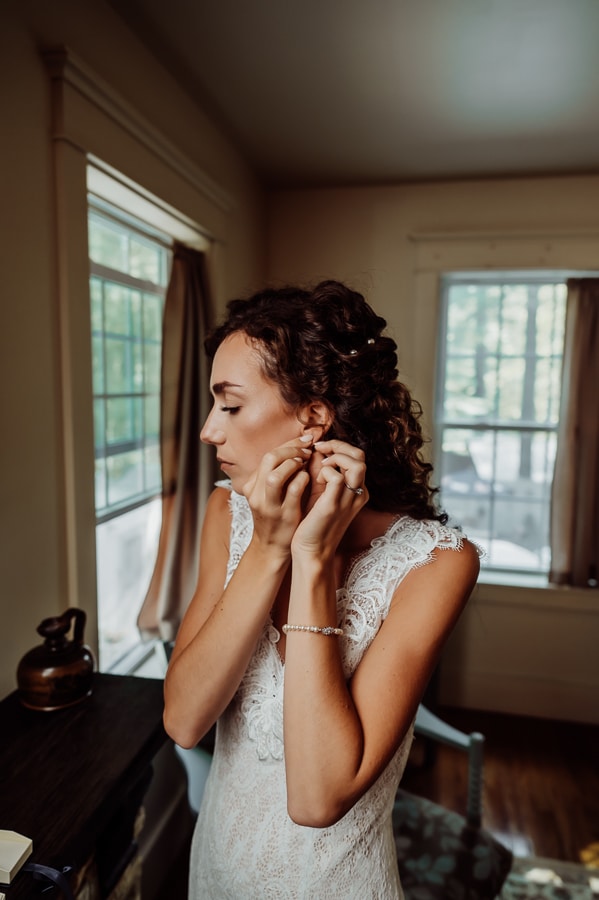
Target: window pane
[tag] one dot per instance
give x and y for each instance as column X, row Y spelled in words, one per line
column 96, row 300
column 461, row 320
column 100, row 483
column 117, row 309
column 548, row 384
column 465, row 467
column 108, row 244
column 152, row 354
column 137, row 406
column 118, row 366
column 473, row 514
column 144, row 260
column 501, row 381
column 152, row 317
column 470, row 388
column 126, row 549
column 127, row 331
column 125, row 476
column 137, row 381
column 135, row 300
column 520, row 534
column 152, row 463
column 98, row 364
column 512, row 313
column 120, row 421
column 509, row 556
column 99, row 425
column 152, row 416
column 509, row 386
column 551, row 319
column 127, row 287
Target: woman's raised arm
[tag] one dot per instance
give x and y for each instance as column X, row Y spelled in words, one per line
column 219, row 631
column 220, row 628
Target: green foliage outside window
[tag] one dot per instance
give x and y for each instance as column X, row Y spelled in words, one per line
column 127, row 289
column 498, row 410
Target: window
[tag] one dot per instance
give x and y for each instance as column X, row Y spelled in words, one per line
column 129, row 265
column 497, row 412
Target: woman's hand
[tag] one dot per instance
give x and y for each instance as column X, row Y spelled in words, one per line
column 275, row 493
column 337, row 493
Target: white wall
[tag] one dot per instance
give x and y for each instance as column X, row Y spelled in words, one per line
column 528, row 651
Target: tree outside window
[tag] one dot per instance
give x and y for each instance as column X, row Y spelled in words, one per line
column 498, row 410
column 129, row 266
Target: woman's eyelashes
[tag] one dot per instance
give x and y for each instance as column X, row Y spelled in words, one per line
column 230, row 409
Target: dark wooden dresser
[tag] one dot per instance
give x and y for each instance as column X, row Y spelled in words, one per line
column 74, row 780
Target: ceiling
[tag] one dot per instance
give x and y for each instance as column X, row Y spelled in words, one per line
column 374, row 91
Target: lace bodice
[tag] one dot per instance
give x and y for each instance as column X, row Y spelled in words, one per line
column 245, row 845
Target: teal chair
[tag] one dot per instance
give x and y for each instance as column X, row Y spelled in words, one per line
column 431, row 727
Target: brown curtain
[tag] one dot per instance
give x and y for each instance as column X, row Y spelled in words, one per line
column 575, row 494
column 188, row 467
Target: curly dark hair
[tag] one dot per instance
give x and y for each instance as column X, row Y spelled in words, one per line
column 327, row 344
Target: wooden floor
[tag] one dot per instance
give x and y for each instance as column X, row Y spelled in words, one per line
column 541, row 786
column 541, row 782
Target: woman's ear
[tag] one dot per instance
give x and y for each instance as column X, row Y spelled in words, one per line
column 316, row 419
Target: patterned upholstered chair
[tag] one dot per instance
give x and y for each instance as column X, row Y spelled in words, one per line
column 443, row 855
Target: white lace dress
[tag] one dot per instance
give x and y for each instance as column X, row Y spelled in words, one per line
column 245, row 846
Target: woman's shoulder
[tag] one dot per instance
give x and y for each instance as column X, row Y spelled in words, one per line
column 414, row 543
column 219, row 501
column 427, row 530
column 441, row 549
column 229, row 510
column 398, row 531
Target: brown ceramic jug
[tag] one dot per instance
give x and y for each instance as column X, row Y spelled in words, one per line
column 59, row 672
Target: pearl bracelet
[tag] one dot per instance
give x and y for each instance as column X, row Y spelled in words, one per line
column 327, row 630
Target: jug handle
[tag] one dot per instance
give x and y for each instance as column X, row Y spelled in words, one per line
column 79, row 616
column 59, row 626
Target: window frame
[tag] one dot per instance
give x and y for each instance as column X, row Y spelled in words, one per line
column 104, row 210
column 115, row 198
column 91, row 123
column 500, row 278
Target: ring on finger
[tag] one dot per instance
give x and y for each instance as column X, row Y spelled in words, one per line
column 358, row 490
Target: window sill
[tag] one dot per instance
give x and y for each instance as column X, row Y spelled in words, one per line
column 533, row 592
column 143, row 659
column 514, row 579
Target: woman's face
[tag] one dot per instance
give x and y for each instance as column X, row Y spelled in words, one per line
column 249, row 416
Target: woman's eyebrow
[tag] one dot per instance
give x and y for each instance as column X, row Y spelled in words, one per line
column 221, row 386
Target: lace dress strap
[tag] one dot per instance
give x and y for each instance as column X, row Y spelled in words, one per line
column 364, row 601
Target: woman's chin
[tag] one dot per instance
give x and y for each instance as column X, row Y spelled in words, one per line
column 237, row 480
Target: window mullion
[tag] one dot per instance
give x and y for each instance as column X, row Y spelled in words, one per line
column 131, row 281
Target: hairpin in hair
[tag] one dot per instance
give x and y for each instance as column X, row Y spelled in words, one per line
column 355, row 352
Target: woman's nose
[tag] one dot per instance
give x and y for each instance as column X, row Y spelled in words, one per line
column 210, row 434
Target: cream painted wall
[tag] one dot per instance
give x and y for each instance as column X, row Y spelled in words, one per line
column 528, row 651
column 33, row 542
column 504, row 655
column 365, row 235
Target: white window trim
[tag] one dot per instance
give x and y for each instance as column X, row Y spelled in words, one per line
column 91, row 121
column 488, row 575
column 106, row 185
column 482, row 254
column 121, row 192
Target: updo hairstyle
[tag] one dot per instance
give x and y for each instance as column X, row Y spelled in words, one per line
column 326, row 344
